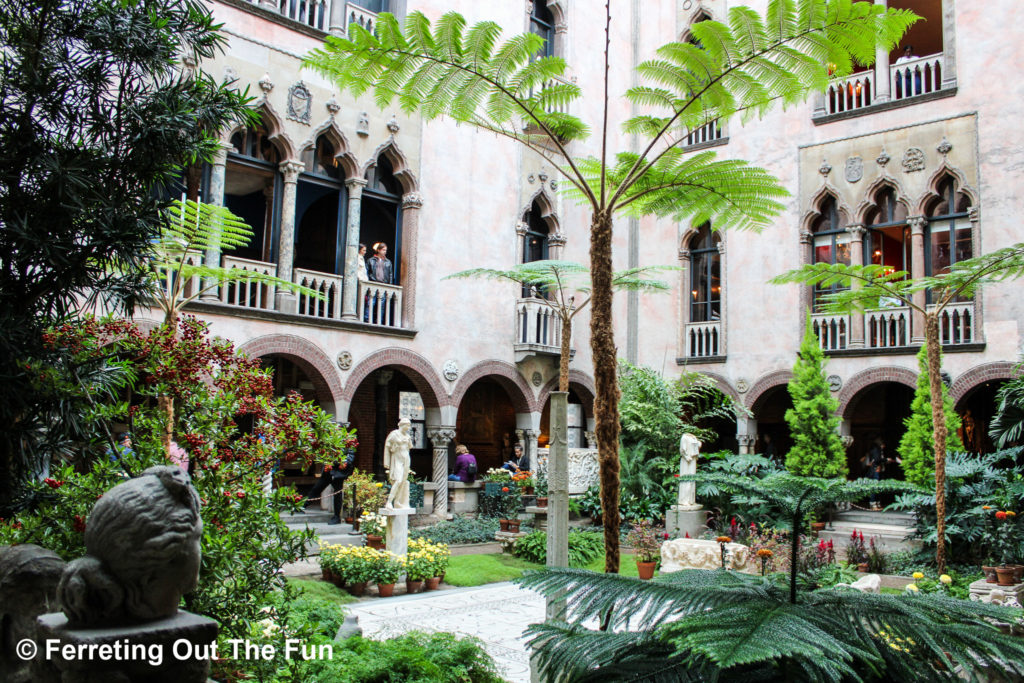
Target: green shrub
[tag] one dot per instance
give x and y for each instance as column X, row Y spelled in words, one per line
column 411, row 658
column 584, row 547
column 459, row 530
column 306, row 611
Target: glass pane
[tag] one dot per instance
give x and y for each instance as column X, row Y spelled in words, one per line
column 843, row 250
column 964, row 249
column 823, row 253
column 939, row 248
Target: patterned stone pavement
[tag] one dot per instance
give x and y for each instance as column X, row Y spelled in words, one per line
column 497, row 614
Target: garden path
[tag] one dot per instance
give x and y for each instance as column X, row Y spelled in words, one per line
column 497, row 614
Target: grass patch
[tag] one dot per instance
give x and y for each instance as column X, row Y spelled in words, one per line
column 321, row 590
column 477, row 570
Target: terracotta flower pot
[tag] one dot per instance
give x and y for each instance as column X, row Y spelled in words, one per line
column 528, row 490
column 503, row 524
column 350, row 520
column 386, row 590
column 1005, row 576
column 355, row 525
column 357, row 589
column 990, row 574
column 513, row 526
column 646, row 569
column 542, row 501
column 862, row 567
column 412, row 586
column 1018, row 573
column 326, row 574
column 433, row 582
column 338, row 581
column 817, row 527
column 374, row 541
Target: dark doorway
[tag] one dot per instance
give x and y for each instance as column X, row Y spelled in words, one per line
column 773, row 437
column 976, row 411
column 878, row 411
column 485, row 415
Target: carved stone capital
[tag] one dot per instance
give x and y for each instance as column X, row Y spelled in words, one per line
column 291, row 170
column 440, row 436
column 384, row 376
column 973, row 214
column 806, row 237
column 355, row 187
column 856, row 232
column 522, row 228
column 916, row 224
column 557, row 240
column 721, row 247
column 532, row 434
column 746, row 440
column 684, row 255
column 412, row 200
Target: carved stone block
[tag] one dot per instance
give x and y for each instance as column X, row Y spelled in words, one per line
column 695, row 553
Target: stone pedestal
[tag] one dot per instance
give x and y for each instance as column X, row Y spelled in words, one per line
column 398, row 529
column 540, row 517
column 686, row 519
column 984, row 591
column 507, row 539
column 177, row 649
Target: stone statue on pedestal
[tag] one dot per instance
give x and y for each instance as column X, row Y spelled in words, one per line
column 398, row 464
column 689, row 449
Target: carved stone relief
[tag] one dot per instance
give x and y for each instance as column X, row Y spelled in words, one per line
column 854, row 169
column 583, row 468
column 363, row 124
column 451, row 370
column 694, row 553
column 345, row 360
column 300, row 103
column 913, row 160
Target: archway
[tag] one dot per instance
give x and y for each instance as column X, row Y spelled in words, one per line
column 976, row 408
column 877, row 411
column 773, row 436
column 486, row 422
column 581, row 411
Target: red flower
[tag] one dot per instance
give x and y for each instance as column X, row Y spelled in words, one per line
column 504, row 489
column 676, row 474
column 665, row 535
column 240, row 495
column 79, row 524
column 1000, row 515
column 53, row 483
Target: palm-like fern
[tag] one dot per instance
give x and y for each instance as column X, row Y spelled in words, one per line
column 717, row 625
column 1008, row 423
column 742, row 67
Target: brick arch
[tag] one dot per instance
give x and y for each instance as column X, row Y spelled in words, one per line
column 579, row 382
column 864, row 379
column 762, row 385
column 979, row 374
column 507, row 376
column 414, row 366
column 307, row 355
column 724, row 386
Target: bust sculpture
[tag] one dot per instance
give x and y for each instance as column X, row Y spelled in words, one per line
column 142, row 544
column 689, row 450
column 398, row 464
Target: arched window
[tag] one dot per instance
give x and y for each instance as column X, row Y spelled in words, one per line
column 887, row 241
column 948, row 237
column 535, row 241
column 380, row 218
column 705, row 276
column 542, row 22
column 252, row 188
column 831, row 245
column 320, row 211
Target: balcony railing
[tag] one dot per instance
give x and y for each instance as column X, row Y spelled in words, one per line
column 312, row 13
column 852, row 92
column 887, row 328
column 704, row 340
column 709, row 132
column 833, row 331
column 379, row 304
column 327, row 286
column 956, row 324
column 354, row 14
column 248, row 293
column 916, row 77
column 551, row 109
column 538, row 325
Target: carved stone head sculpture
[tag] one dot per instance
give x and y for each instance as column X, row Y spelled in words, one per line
column 142, row 545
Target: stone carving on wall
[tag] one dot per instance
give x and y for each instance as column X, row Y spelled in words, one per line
column 835, row 382
column 825, row 168
column 583, row 468
column 882, row 159
column 266, row 85
column 854, row 169
column 694, row 553
column 451, row 370
column 332, row 107
column 393, row 125
column 537, row 378
column 363, row 124
column 742, row 385
column 530, row 179
column 300, row 103
column 913, row 159
column 944, row 147
column 543, row 177
column 345, row 360
column 230, row 75
column 554, row 184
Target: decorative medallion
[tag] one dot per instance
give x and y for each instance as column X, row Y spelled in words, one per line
column 393, row 125
column 332, row 107
column 230, row 75
column 825, row 168
column 913, row 160
column 944, row 147
column 451, row 370
column 882, row 159
column 687, row 4
column 543, row 176
column 300, row 103
column 537, row 378
column 854, row 169
column 554, row 184
column 530, row 179
column 742, row 385
column 363, row 124
column 835, row 383
column 345, row 360
column 266, row 85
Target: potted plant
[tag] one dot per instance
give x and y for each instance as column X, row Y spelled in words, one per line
column 525, row 482
column 494, row 479
column 386, row 573
column 1005, row 530
column 647, row 546
column 541, row 488
column 374, row 526
column 877, row 562
column 508, row 508
column 416, row 491
column 418, row 568
column 327, row 562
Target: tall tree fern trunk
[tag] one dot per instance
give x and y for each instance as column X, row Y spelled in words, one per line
column 164, row 402
column 566, row 350
column 606, row 384
column 931, row 340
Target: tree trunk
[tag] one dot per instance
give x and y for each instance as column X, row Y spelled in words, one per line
column 931, row 340
column 566, row 350
column 606, row 383
column 165, row 403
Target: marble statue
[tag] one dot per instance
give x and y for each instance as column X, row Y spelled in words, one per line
column 695, row 553
column 872, row 583
column 398, row 464
column 689, row 449
column 142, row 545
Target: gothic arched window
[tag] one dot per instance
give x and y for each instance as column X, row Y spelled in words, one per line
column 831, row 244
column 705, row 276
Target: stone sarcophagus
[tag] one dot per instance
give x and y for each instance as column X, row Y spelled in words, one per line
column 695, row 553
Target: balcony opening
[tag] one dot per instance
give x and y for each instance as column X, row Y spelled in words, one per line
column 916, row 63
column 252, row 184
column 831, row 245
column 319, row 211
column 535, row 245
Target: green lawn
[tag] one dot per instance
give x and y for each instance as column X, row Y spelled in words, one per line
column 476, row 570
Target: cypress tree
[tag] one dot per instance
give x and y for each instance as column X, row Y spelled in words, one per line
column 917, row 447
column 817, row 448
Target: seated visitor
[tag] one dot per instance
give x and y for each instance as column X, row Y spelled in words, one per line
column 465, row 466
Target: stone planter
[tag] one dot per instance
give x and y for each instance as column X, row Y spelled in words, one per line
column 990, row 574
column 646, row 569
column 376, row 542
column 433, row 582
column 1005, row 576
column 412, row 586
column 386, row 590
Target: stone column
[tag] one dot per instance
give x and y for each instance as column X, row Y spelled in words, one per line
column 440, row 437
column 350, row 285
column 285, row 300
column 684, row 301
column 218, row 170
column 746, row 442
column 380, row 417
column 556, row 245
column 978, row 310
column 530, row 444
column 807, row 256
column 336, row 24
column 883, row 92
column 948, row 44
column 558, row 493
column 855, row 339
column 412, row 202
column 723, row 328
column 917, row 224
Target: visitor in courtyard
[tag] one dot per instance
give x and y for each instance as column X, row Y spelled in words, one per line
column 875, row 460
column 362, row 275
column 378, row 268
column 466, row 467
column 520, row 462
column 334, row 475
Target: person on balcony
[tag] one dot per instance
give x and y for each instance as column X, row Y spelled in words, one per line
column 466, row 467
column 909, row 56
column 378, row 269
column 362, row 275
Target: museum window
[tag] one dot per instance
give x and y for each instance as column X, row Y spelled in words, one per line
column 380, row 218
column 887, row 240
column 252, row 190
column 320, row 202
column 705, row 276
column 948, row 238
column 542, row 23
column 711, row 133
column 831, row 245
column 535, row 242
